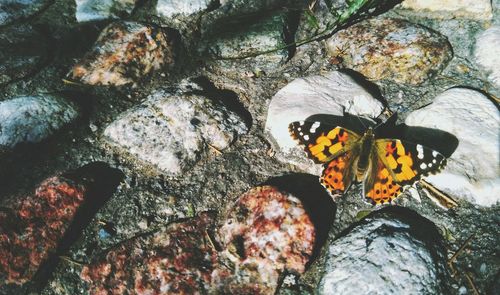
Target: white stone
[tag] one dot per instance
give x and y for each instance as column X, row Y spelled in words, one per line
column 93, row 10
column 487, row 53
column 170, row 131
column 476, row 9
column 169, row 8
column 472, row 172
column 33, row 118
column 304, row 97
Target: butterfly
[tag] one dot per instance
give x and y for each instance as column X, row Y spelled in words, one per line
column 384, row 165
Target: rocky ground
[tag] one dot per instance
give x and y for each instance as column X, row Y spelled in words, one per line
column 144, row 146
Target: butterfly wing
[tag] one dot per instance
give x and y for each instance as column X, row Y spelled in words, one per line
column 322, row 142
column 379, row 186
column 396, row 163
column 334, row 146
column 338, row 173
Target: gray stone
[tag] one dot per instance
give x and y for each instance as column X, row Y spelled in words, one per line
column 303, row 97
column 11, row 10
column 33, row 118
column 22, row 51
column 391, row 49
column 472, row 172
column 386, row 253
column 172, row 8
column 93, row 10
column 237, row 14
column 170, row 131
column 265, row 36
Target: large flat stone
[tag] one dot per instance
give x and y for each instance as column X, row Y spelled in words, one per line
column 171, row 131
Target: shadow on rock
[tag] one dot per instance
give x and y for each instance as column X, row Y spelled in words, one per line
column 318, row 204
column 100, row 181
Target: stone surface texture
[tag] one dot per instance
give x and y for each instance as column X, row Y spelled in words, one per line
column 384, row 255
column 182, row 127
column 261, row 37
column 124, row 53
column 171, row 8
column 30, row 119
column 472, row 172
column 266, row 233
column 176, row 260
column 331, row 93
column 391, row 49
column 33, row 226
column 12, row 10
column 22, row 50
column 486, row 53
column 94, row 10
column 37, row 224
column 475, row 9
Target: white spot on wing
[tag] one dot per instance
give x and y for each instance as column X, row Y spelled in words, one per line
column 420, row 150
column 435, row 154
column 306, row 137
column 423, row 166
column 314, row 126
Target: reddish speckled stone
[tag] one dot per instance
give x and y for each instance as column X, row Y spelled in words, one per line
column 124, row 53
column 266, row 233
column 176, row 260
column 31, row 228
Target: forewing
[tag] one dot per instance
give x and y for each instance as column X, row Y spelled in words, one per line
column 322, row 142
column 407, row 162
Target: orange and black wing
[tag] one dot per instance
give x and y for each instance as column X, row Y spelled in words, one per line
column 334, row 146
column 322, row 142
column 397, row 163
column 338, row 174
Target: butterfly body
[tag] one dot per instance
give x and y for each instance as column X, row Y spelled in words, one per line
column 383, row 165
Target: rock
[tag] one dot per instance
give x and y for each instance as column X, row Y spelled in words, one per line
column 263, row 36
column 29, row 119
column 172, row 8
column 391, row 49
column 386, row 253
column 12, row 10
column 125, row 53
column 239, row 14
column 472, row 172
column 265, row 234
column 32, row 227
column 93, row 10
column 176, row 260
column 171, row 131
column 486, row 53
column 474, row 9
column 303, row 97
column 22, row 51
